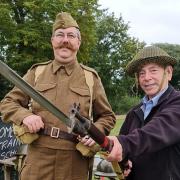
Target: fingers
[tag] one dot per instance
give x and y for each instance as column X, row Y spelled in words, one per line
column 34, row 123
column 87, row 140
column 128, row 170
column 116, row 152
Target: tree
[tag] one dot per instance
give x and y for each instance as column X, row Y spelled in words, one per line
column 114, row 49
column 174, row 51
column 26, row 26
column 26, row 31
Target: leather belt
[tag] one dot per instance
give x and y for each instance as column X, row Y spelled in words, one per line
column 55, row 132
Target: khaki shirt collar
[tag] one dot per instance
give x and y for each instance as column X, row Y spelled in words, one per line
column 68, row 67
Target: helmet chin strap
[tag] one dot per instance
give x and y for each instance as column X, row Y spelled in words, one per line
column 162, row 81
column 136, row 83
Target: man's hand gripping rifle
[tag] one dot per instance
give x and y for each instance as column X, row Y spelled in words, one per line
column 82, row 126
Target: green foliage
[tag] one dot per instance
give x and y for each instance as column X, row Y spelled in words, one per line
column 126, row 103
column 114, row 49
column 25, row 34
column 26, row 27
column 119, row 122
column 174, row 51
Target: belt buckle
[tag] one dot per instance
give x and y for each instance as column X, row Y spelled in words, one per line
column 55, row 132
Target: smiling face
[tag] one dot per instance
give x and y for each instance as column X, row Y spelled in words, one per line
column 153, row 78
column 66, row 43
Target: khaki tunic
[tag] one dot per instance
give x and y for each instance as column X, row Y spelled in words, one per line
column 63, row 86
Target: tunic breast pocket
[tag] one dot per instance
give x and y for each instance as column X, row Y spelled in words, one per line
column 48, row 91
column 82, row 96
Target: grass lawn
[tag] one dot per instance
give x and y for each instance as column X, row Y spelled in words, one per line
column 117, row 127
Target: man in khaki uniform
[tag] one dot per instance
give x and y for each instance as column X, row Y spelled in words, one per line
column 63, row 83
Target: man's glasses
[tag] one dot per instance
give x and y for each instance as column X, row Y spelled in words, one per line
column 69, row 36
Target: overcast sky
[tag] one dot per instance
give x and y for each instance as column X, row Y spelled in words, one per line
column 152, row 21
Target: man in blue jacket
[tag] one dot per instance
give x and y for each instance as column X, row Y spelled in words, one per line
column 150, row 135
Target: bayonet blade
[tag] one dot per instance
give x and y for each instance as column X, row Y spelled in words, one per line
column 14, row 78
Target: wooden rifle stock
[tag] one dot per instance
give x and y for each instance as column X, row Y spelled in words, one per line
column 87, row 127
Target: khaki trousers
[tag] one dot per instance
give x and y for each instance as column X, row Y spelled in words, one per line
column 50, row 164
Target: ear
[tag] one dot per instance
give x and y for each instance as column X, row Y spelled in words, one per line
column 169, row 72
column 53, row 42
column 79, row 43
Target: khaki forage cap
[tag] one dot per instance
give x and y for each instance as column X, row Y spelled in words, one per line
column 150, row 54
column 64, row 20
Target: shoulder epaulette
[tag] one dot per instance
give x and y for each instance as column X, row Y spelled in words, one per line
column 40, row 64
column 89, row 69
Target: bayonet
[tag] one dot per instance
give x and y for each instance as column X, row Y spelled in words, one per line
column 14, row 78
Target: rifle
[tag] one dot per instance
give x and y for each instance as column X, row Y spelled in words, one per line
column 77, row 123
